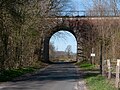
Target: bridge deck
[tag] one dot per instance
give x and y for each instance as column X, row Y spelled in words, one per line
column 85, row 17
column 85, row 14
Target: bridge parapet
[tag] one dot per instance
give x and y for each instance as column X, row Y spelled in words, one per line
column 83, row 13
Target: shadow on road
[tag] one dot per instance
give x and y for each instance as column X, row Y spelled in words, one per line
column 72, row 62
column 57, row 71
column 59, row 76
column 91, row 73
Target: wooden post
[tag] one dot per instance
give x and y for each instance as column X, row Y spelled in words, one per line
column 93, row 62
column 104, row 67
column 117, row 74
column 109, row 68
column 101, row 55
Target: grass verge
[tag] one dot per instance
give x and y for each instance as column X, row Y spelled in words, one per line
column 8, row 75
column 98, row 83
column 94, row 80
column 85, row 66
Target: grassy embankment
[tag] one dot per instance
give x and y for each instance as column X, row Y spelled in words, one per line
column 8, row 75
column 93, row 79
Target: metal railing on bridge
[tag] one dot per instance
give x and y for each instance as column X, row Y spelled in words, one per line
column 83, row 13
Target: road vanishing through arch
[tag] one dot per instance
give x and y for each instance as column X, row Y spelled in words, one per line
column 54, row 77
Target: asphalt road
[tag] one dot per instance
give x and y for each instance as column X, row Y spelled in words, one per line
column 54, row 77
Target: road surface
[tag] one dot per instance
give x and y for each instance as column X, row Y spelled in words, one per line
column 54, row 77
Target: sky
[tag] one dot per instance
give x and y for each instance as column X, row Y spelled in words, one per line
column 64, row 40
column 78, row 4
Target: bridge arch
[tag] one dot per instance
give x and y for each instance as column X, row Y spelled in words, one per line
column 61, row 40
column 47, row 40
column 74, row 26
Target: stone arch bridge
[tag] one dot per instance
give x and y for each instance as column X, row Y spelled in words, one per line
column 78, row 26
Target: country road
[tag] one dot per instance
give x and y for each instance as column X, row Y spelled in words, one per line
column 54, row 77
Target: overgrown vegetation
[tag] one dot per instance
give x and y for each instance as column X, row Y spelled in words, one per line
column 98, row 82
column 23, row 27
column 93, row 78
column 7, row 75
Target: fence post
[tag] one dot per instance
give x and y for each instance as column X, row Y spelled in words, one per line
column 104, row 66
column 117, row 73
column 109, row 68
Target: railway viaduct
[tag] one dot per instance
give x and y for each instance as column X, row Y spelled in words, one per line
column 78, row 26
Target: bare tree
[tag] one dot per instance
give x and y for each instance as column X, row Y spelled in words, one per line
column 68, row 51
column 23, row 25
column 103, row 8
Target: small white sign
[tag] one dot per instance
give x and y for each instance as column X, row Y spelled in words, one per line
column 92, row 54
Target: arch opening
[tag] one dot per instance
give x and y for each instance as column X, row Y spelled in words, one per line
column 63, row 47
